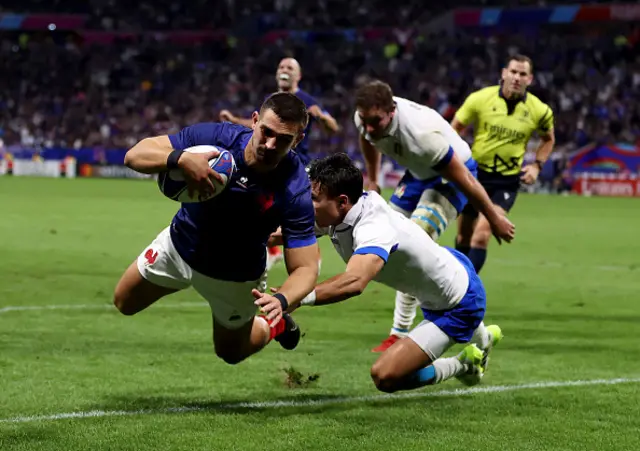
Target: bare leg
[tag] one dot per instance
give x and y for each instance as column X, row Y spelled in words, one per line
column 235, row 345
column 134, row 293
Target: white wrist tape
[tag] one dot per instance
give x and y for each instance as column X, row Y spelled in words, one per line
column 309, row 299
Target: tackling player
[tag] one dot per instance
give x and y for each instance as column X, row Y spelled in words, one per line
column 288, row 77
column 504, row 118
column 218, row 246
column 439, row 179
column 378, row 243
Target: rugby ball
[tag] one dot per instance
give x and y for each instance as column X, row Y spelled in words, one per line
column 173, row 186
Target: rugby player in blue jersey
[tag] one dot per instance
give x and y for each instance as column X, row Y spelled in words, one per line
column 219, row 246
column 288, row 76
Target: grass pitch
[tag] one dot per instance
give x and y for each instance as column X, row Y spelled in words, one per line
column 77, row 375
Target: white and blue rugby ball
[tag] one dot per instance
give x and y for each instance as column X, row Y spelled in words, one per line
column 173, row 186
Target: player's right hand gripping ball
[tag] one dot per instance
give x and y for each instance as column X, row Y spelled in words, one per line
column 173, row 186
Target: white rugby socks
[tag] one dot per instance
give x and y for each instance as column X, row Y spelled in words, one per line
column 481, row 337
column 446, row 368
column 404, row 314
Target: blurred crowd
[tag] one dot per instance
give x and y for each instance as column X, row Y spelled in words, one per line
column 287, row 14
column 57, row 90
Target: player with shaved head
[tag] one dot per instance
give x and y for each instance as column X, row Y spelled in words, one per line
column 288, row 76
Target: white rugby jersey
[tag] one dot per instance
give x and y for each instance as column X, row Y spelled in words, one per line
column 418, row 138
column 415, row 264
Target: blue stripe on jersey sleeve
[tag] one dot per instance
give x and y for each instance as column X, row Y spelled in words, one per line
column 375, row 250
column 445, row 161
column 295, row 243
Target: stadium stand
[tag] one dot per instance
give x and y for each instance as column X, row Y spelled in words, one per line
column 73, row 89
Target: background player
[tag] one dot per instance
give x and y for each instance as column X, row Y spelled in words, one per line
column 218, row 246
column 438, row 180
column 504, row 118
column 378, row 243
column 288, row 77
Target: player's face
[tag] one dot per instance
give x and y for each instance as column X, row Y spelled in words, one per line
column 517, row 77
column 272, row 139
column 288, row 74
column 375, row 121
column 329, row 211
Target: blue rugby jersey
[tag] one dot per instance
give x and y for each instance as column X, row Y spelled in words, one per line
column 225, row 237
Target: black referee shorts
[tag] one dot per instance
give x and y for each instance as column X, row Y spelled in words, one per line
column 502, row 190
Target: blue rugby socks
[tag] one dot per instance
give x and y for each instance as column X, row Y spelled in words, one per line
column 439, row 371
column 422, row 377
column 478, row 257
column 462, row 249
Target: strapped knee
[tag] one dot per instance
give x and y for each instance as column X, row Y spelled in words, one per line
column 432, row 218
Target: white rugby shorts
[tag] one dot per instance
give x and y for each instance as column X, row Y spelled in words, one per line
column 232, row 304
column 431, row 339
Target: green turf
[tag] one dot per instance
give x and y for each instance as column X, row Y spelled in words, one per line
column 565, row 293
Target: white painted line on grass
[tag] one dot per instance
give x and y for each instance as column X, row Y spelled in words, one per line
column 228, row 407
column 18, row 308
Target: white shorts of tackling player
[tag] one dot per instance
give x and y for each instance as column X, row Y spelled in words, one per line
column 431, row 339
column 231, row 302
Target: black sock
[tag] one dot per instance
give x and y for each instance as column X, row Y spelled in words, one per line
column 462, row 249
column 477, row 257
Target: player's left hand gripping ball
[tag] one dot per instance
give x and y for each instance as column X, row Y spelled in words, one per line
column 174, row 185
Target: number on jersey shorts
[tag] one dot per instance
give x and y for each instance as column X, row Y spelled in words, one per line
column 231, row 302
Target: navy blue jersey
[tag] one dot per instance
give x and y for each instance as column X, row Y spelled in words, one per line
column 225, row 237
column 303, row 148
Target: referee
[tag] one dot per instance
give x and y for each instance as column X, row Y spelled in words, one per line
column 503, row 117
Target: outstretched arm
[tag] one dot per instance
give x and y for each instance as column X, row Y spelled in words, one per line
column 150, row 155
column 160, row 153
column 302, row 266
column 361, row 269
column 228, row 116
column 327, row 121
column 456, row 172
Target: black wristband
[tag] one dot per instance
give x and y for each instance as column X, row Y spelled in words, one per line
column 540, row 164
column 172, row 159
column 283, row 301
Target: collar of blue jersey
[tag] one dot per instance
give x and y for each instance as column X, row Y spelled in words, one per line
column 523, row 99
column 356, row 211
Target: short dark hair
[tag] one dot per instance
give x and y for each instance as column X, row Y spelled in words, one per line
column 288, row 107
column 521, row 59
column 375, row 94
column 337, row 175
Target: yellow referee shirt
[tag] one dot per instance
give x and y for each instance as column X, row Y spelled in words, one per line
column 501, row 132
